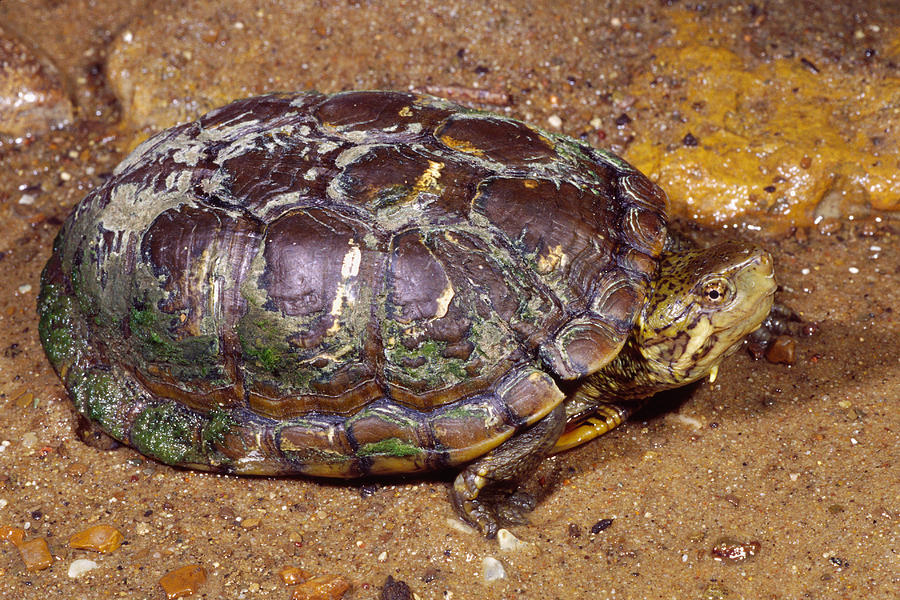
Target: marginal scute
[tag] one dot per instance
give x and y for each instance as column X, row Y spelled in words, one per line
column 615, row 302
column 646, row 228
column 581, row 347
column 643, row 192
column 317, row 448
column 468, row 429
column 530, row 394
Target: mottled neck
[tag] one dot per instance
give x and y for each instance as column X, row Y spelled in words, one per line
column 628, row 377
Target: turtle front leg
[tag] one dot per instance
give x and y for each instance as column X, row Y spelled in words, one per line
column 782, row 321
column 485, row 493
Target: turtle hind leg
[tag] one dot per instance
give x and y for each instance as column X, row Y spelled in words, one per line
column 485, row 493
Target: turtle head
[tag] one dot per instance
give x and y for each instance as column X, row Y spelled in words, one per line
column 705, row 302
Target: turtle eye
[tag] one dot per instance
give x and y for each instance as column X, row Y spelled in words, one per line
column 715, row 292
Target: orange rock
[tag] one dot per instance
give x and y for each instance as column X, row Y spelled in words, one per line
column 322, row 587
column 783, row 350
column 35, row 554
column 293, row 575
column 12, row 534
column 99, row 538
column 183, row 581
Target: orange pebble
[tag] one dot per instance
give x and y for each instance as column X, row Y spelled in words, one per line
column 183, row 581
column 35, row 554
column 99, row 538
column 322, row 587
column 12, row 534
column 293, row 575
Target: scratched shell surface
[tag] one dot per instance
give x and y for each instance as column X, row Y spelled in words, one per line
column 366, row 282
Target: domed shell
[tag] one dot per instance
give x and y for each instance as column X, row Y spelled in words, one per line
column 365, row 282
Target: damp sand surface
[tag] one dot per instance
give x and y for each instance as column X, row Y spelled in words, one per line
column 775, row 481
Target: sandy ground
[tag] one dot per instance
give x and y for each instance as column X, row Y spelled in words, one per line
column 797, row 463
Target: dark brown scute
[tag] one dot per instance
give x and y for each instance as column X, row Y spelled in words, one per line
column 512, row 143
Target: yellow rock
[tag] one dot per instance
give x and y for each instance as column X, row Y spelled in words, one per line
column 772, row 139
column 99, row 538
column 183, row 581
column 35, row 554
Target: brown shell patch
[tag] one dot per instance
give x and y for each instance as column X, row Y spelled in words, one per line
column 419, row 287
column 509, row 142
column 363, row 111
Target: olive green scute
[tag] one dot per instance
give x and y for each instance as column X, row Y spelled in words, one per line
column 389, row 447
column 57, row 325
column 219, row 423
column 188, row 358
column 167, row 432
column 100, row 397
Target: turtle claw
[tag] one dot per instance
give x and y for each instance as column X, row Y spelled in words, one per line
column 512, row 509
column 489, row 511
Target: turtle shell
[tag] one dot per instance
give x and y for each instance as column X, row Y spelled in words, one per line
column 337, row 285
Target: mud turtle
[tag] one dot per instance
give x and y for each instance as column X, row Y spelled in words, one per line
column 380, row 282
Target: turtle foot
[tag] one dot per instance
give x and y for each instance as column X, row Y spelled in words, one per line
column 488, row 511
column 774, row 339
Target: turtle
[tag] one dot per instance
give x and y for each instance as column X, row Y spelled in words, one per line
column 371, row 283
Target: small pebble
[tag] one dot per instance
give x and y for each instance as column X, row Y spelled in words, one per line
column 782, row 351
column 35, row 554
column 554, row 121
column 734, row 551
column 293, row 575
column 829, row 226
column 14, row 535
column 601, row 525
column 80, row 567
column 29, row 440
column 251, row 523
column 322, row 587
column 99, row 538
column 396, row 590
column 492, row 569
column 458, row 525
column 508, row 541
column 183, row 581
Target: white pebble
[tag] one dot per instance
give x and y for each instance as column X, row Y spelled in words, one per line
column 3, row 502
column 459, row 525
column 508, row 541
column 81, row 566
column 555, row 121
column 493, row 569
column 25, row 288
column 26, row 199
column 853, row 270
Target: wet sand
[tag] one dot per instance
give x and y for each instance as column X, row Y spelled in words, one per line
column 797, row 464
